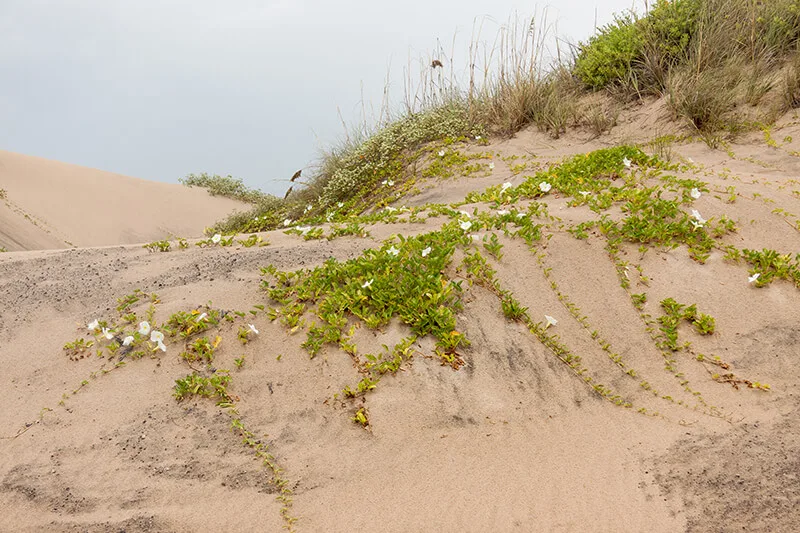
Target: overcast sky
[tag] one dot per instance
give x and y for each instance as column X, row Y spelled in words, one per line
column 159, row 89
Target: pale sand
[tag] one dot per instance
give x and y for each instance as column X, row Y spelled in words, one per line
column 513, row 441
column 56, row 205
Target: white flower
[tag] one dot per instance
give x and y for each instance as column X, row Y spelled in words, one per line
column 144, row 328
column 545, row 187
column 287, row 222
column 202, row 317
column 754, row 277
column 507, row 185
column 520, row 215
column 584, row 193
column 367, row 284
column 391, row 209
column 127, row 340
column 502, row 212
column 107, row 334
column 491, row 165
column 426, row 251
column 626, row 162
column 465, row 214
column 393, row 251
column 252, row 328
column 156, row 336
column 698, row 217
column 550, row 321
column 695, row 193
column 690, row 160
column 477, row 137
column 340, row 204
column 388, row 183
column 308, row 208
column 216, row 238
column 160, row 346
column 303, row 229
column 93, row 325
column 441, row 153
column 466, row 225
column 696, row 224
column 329, row 216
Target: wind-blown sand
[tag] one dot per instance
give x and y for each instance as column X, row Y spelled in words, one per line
column 512, row 441
column 50, row 205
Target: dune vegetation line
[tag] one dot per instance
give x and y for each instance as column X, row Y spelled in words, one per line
column 725, row 67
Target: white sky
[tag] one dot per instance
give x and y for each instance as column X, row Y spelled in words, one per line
column 159, row 89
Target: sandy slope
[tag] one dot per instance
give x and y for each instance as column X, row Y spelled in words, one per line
column 512, row 441
column 51, row 205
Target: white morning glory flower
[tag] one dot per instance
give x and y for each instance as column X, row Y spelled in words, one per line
column 216, row 238
column 160, row 345
column 584, row 193
column 156, row 336
column 367, row 284
column 754, row 277
column 491, row 165
column 253, row 328
column 144, row 328
column 507, row 185
column 127, row 341
column 626, row 162
column 698, row 217
column 93, row 325
column 202, row 317
column 426, row 251
column 520, row 215
column 550, row 321
column 393, row 251
column 545, row 187
column 340, row 204
column 388, row 183
column 441, row 153
column 477, row 137
column 287, row 222
column 107, row 334
column 695, row 193
column 502, row 212
column 308, row 208
column 466, row 225
column 303, row 229
column 696, row 224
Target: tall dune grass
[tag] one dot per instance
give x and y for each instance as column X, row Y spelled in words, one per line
column 710, row 59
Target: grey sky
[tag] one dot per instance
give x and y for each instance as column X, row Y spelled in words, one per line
column 159, row 89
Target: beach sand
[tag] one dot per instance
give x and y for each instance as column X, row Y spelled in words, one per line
column 511, row 441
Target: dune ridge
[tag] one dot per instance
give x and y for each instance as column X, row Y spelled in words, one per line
column 50, row 205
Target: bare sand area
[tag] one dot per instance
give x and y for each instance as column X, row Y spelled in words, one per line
column 48, row 205
column 513, row 440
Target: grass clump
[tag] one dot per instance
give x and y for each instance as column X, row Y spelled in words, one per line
column 709, row 57
column 226, row 186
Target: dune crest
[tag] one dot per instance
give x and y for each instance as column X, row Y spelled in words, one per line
column 49, row 205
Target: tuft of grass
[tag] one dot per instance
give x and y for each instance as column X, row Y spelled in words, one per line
column 226, row 186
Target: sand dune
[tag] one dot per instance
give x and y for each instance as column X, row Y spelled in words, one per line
column 511, row 441
column 51, row 205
